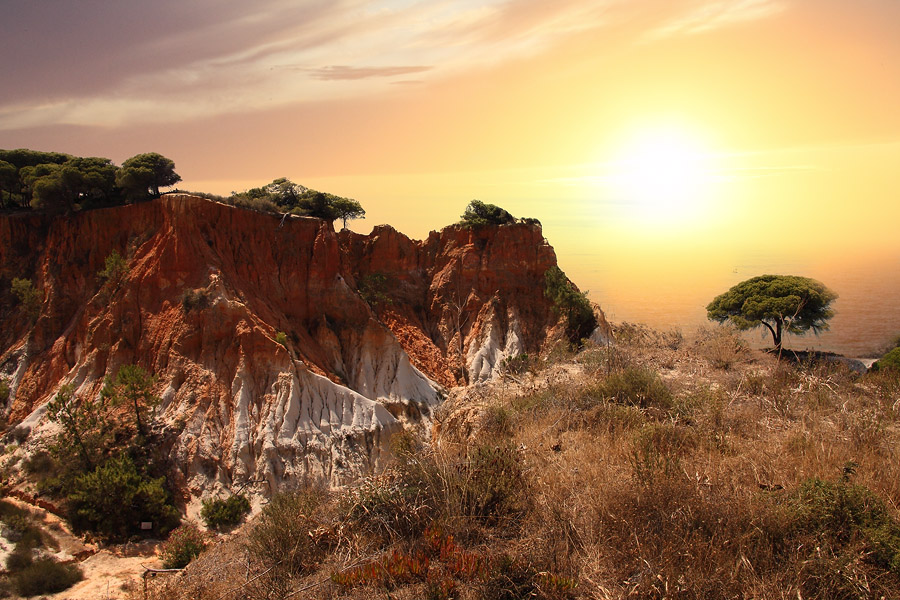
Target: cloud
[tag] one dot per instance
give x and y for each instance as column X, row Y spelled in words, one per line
column 107, row 64
column 344, row 72
column 710, row 15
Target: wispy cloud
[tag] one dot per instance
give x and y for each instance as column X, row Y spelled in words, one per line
column 345, row 72
column 709, row 15
column 184, row 60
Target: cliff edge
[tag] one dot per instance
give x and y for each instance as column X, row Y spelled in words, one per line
column 282, row 350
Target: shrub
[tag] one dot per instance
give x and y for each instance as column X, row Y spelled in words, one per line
column 888, row 362
column 194, row 300
column 115, row 498
column 263, row 205
column 285, row 531
column 839, row 512
column 29, row 297
column 281, row 338
column 22, row 531
column 19, row 559
column 388, row 506
column 375, row 288
column 637, row 386
column 657, row 450
column 570, row 304
column 480, row 214
column 723, row 347
column 485, row 485
column 184, row 545
column 114, row 267
column 219, row 513
column 515, row 365
column 46, row 576
column 4, row 390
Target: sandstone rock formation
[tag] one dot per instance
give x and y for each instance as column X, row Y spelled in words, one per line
column 282, row 349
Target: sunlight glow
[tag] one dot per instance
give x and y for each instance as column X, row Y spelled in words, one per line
column 662, row 175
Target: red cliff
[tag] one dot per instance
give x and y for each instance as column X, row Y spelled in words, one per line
column 373, row 327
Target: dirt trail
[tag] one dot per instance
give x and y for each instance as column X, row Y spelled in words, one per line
column 109, row 573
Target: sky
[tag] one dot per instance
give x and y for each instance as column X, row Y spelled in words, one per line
column 665, row 145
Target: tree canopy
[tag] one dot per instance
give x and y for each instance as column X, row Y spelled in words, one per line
column 347, row 208
column 283, row 195
column 777, row 302
column 479, row 214
column 53, row 181
column 141, row 176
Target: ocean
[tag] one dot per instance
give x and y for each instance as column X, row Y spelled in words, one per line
column 674, row 296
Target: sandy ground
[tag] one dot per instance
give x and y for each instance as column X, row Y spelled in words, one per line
column 109, row 573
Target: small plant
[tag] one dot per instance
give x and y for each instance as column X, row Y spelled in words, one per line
column 184, row 545
column 287, row 532
column 219, row 513
column 194, row 300
column 114, row 267
column 4, row 390
column 635, row 386
column 46, row 576
column 888, row 362
column 29, row 296
column 488, row 485
column 375, row 289
column 515, row 365
column 281, row 338
column 498, row 420
column 723, row 347
column 657, row 450
column 838, row 512
column 436, row 559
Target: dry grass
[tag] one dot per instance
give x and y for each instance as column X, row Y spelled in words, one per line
column 663, row 467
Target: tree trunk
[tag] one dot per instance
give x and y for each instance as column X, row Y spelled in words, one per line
column 137, row 416
column 778, row 325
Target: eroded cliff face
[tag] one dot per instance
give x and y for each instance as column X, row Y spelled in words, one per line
column 209, row 289
column 462, row 300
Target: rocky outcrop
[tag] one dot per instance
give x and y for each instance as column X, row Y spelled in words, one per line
column 282, row 350
column 475, row 296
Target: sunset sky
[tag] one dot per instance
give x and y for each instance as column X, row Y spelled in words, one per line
column 653, row 139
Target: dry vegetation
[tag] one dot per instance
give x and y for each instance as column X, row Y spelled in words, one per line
column 661, row 467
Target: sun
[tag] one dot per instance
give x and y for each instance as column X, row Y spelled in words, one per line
column 662, row 175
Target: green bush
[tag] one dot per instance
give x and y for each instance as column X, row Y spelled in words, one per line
column 258, row 204
column 46, row 576
column 480, row 214
column 29, row 296
column 115, row 498
column 219, row 513
column 184, row 545
column 281, row 338
column 375, row 288
column 570, row 304
column 4, row 390
column 888, row 362
column 114, row 267
column 637, row 386
column 840, row 512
